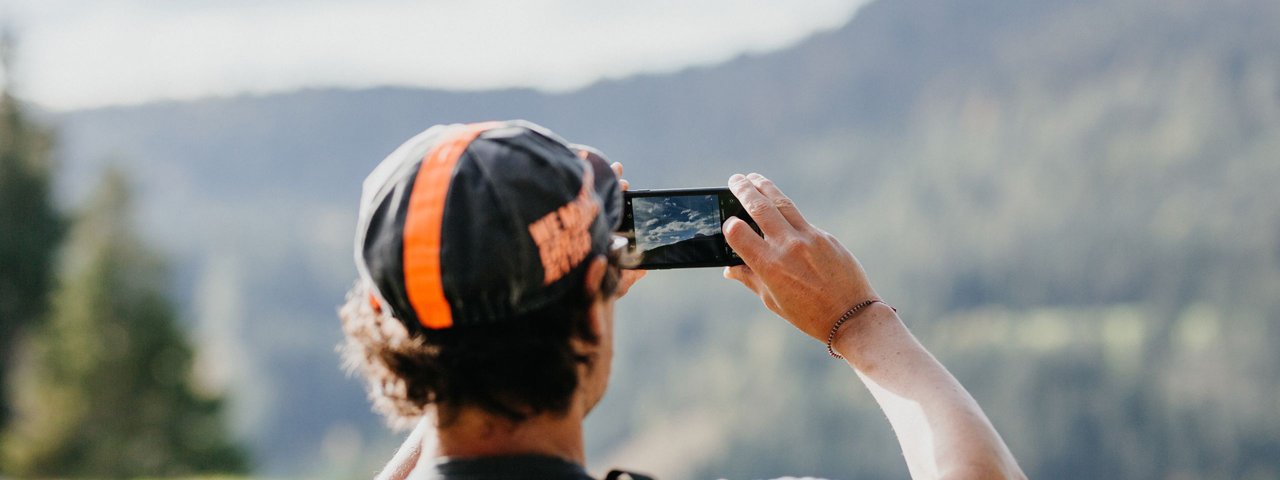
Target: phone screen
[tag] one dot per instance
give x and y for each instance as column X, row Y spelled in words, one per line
column 681, row 228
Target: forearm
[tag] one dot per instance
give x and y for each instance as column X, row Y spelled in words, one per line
column 805, row 275
column 942, row 430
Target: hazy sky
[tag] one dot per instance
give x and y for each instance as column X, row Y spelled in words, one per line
column 83, row 53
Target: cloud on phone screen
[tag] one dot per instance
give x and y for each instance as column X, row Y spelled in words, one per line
column 667, row 220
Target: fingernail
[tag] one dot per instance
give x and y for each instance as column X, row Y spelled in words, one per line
column 754, row 175
column 737, row 177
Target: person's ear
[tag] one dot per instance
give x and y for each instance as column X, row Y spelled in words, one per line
column 595, row 276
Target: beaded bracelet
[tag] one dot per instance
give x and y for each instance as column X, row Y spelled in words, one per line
column 831, row 337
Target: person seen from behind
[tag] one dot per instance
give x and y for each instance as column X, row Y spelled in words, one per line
column 483, row 312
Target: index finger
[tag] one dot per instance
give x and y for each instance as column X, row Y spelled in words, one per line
column 785, row 205
column 760, row 207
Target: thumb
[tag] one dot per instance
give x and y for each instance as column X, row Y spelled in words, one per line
column 745, row 275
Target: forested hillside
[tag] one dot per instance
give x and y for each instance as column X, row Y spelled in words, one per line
column 1074, row 204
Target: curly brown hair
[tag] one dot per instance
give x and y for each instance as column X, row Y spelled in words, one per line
column 517, row 368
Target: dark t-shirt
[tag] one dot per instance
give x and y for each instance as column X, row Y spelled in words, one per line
column 518, row 467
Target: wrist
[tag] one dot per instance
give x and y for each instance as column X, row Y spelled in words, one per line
column 868, row 326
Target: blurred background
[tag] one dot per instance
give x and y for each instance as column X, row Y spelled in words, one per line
column 1073, row 204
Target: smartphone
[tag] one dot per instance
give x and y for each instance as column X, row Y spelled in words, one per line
column 681, row 228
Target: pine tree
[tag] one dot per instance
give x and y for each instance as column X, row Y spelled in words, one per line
column 30, row 228
column 104, row 388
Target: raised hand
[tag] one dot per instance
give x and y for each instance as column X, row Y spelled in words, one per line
column 629, row 276
column 799, row 271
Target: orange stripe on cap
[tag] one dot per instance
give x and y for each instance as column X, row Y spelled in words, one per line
column 422, row 227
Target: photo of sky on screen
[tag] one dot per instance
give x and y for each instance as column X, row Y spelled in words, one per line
column 666, row 220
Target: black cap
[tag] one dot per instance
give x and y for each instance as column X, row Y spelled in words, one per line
column 478, row 223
